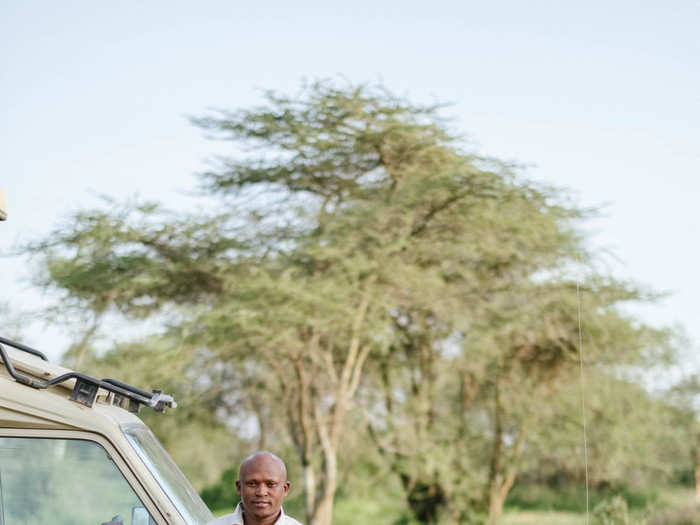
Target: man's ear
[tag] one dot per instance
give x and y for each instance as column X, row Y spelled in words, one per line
column 286, row 487
column 238, row 487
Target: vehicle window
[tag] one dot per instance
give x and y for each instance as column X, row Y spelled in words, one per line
column 167, row 473
column 64, row 482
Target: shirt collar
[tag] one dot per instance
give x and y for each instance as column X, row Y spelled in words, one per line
column 238, row 516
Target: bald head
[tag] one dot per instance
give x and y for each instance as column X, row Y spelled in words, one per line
column 262, row 485
column 266, row 458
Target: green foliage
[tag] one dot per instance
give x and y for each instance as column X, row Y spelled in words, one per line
column 222, row 494
column 572, row 498
column 135, row 258
column 611, row 512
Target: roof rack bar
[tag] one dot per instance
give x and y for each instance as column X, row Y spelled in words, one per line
column 156, row 400
column 17, row 377
column 25, row 348
column 127, row 386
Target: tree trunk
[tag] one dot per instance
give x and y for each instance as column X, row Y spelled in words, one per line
column 323, row 500
column 324, row 507
column 330, row 432
column 324, row 512
column 496, row 499
column 497, row 495
column 309, row 492
column 503, row 469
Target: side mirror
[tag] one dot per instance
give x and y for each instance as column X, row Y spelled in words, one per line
column 3, row 206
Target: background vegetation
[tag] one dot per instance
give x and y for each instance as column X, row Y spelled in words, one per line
column 399, row 318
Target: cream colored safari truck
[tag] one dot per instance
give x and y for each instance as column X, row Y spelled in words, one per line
column 73, row 450
column 3, row 207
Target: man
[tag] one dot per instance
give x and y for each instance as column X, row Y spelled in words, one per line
column 262, row 485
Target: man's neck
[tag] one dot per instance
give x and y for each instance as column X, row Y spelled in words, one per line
column 250, row 520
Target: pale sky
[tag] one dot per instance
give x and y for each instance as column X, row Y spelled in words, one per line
column 600, row 97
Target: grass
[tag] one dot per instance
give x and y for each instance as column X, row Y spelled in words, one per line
column 665, row 507
column 573, row 499
column 534, row 517
column 672, row 507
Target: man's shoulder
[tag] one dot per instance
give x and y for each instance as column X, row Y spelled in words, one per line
column 288, row 520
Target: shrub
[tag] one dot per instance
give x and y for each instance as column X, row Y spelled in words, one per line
column 612, row 512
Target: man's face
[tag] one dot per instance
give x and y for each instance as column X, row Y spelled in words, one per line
column 262, row 487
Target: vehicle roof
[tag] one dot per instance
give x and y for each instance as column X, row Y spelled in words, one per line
column 24, row 406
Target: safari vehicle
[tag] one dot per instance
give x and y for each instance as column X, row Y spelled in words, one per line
column 3, row 207
column 73, row 450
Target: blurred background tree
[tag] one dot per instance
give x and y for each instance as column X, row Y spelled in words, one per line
column 367, row 285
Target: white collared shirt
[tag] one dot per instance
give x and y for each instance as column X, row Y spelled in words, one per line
column 237, row 518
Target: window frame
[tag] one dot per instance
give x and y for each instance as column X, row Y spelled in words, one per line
column 81, row 435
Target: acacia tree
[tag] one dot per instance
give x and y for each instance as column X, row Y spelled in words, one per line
column 357, row 163
column 401, row 221
column 361, row 260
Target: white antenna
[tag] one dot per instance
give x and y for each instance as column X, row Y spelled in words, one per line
column 3, row 206
column 583, row 397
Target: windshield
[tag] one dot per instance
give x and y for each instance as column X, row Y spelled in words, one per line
column 167, row 473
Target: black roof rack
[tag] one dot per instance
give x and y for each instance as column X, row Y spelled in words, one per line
column 20, row 346
column 86, row 387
